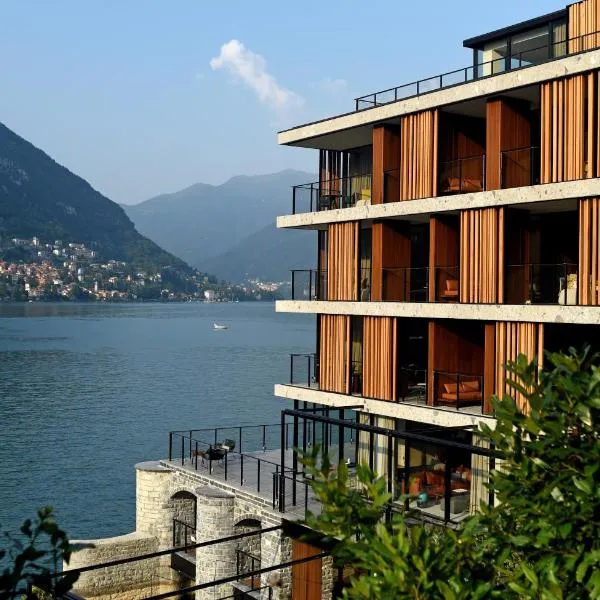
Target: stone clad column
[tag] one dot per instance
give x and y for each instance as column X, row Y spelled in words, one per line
column 152, row 511
column 214, row 520
column 153, row 515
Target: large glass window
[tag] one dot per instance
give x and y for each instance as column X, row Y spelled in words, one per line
column 530, row 47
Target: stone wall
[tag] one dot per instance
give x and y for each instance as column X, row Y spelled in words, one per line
column 132, row 581
column 165, row 491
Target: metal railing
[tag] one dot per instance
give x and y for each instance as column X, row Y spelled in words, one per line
column 405, row 284
column 412, row 385
column 457, row 390
column 304, row 370
column 513, row 62
column 340, row 192
column 520, row 167
column 184, row 534
column 224, row 460
column 309, row 284
column 535, row 283
column 462, row 175
column 246, row 562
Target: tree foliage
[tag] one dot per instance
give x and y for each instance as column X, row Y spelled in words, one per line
column 542, row 538
column 33, row 556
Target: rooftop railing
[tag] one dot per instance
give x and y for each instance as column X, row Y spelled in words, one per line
column 511, row 62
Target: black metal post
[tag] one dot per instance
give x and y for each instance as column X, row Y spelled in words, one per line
column 182, row 449
column 293, row 200
column 308, row 371
column 190, row 445
column 406, row 472
column 258, row 477
column 291, row 368
column 226, row 453
column 295, row 453
column 264, row 435
column 240, row 432
column 390, row 462
column 282, row 464
column 371, row 442
column 170, row 445
column 241, row 469
column 210, row 455
column 310, row 296
column 293, row 284
column 196, row 457
column 341, row 437
column 447, row 488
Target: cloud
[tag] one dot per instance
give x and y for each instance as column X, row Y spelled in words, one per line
column 251, row 68
column 332, row 85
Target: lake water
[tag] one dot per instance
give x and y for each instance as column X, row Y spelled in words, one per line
column 88, row 390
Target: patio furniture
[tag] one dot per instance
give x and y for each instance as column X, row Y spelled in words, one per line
column 467, row 392
column 450, row 291
column 228, row 445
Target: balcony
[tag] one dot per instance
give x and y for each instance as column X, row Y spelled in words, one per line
column 520, row 167
column 462, row 175
column 457, row 390
column 433, row 465
column 541, row 284
column 405, row 284
column 341, row 192
column 400, row 284
column 510, row 62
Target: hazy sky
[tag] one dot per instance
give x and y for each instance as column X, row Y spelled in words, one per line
column 145, row 97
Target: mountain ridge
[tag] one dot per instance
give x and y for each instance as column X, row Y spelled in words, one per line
column 40, row 197
column 202, row 222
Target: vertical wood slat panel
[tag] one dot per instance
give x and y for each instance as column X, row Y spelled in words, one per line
column 570, row 129
column 589, row 252
column 418, row 161
column 342, row 261
column 379, row 357
column 334, row 353
column 513, row 339
column 481, row 255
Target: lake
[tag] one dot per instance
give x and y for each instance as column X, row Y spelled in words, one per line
column 88, row 390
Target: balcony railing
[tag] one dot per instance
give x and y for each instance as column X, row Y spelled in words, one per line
column 412, row 385
column 309, row 284
column 462, row 175
column 340, row 192
column 247, row 563
column 405, row 284
column 533, row 283
column 512, row 62
column 304, row 370
column 520, row 167
column 457, row 390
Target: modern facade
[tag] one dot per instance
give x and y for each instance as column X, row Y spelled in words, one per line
column 457, row 220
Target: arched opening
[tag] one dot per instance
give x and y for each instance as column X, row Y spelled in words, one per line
column 248, row 552
column 183, row 507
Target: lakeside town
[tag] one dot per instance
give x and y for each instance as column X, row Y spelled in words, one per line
column 35, row 270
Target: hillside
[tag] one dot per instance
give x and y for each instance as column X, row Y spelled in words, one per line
column 268, row 254
column 203, row 224
column 39, row 197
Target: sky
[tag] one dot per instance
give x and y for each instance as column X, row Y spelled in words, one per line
column 144, row 97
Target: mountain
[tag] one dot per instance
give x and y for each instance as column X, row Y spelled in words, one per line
column 39, row 197
column 204, row 224
column 268, row 254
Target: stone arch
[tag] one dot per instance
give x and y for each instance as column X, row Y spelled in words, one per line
column 183, row 504
column 248, row 549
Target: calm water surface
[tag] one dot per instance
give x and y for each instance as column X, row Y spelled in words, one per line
column 88, row 390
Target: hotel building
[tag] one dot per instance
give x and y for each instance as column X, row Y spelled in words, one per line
column 458, row 226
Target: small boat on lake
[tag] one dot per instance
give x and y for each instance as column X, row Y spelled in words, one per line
column 219, row 327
